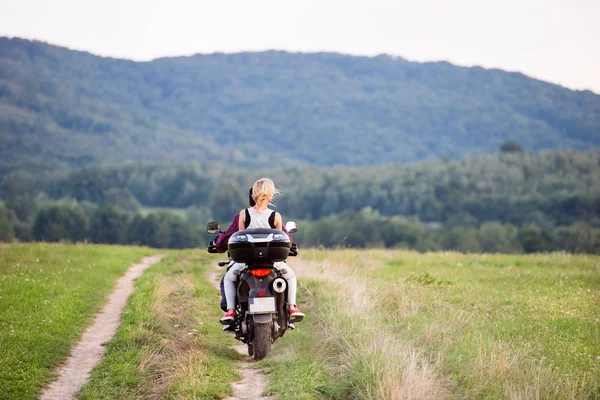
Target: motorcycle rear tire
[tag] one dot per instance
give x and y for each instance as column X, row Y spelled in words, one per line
column 250, row 349
column 262, row 340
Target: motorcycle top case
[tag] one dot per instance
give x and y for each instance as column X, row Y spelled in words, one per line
column 259, row 245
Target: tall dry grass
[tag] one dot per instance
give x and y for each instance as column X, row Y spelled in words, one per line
column 376, row 362
column 357, row 317
column 177, row 357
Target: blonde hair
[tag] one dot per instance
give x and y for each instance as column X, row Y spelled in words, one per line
column 263, row 192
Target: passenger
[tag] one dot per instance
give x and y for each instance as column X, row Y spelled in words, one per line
column 219, row 244
column 260, row 216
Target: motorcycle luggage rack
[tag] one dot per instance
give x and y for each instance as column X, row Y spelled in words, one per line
column 260, row 266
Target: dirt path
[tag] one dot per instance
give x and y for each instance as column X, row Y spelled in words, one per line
column 253, row 383
column 88, row 352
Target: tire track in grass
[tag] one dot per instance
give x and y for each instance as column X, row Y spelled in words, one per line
column 373, row 362
column 88, row 352
column 253, row 383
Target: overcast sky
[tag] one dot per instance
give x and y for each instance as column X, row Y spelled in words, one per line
column 553, row 40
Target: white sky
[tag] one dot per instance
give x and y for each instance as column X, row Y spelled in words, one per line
column 553, row 40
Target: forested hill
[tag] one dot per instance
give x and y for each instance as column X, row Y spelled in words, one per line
column 507, row 202
column 63, row 108
column 551, row 188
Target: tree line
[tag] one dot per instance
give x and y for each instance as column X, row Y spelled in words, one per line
column 74, row 222
column 509, row 202
column 367, row 228
column 554, row 188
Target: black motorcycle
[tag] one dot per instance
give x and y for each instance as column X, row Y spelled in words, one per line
column 261, row 311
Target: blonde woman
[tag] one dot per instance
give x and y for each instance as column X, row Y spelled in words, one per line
column 260, row 216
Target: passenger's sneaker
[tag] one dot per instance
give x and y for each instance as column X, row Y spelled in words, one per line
column 229, row 329
column 296, row 315
column 228, row 318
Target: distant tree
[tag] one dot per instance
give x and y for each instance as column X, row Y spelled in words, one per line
column 461, row 219
column 60, row 222
column 430, row 240
column 7, row 233
column 109, row 225
column 533, row 239
column 361, row 229
column 87, row 184
column 142, row 228
column 396, row 231
column 23, row 230
column 431, row 210
column 16, row 189
column 464, row 239
column 495, row 237
column 123, row 199
column 227, row 200
column 198, row 216
column 163, row 230
column 578, row 238
column 89, row 208
column 182, row 234
column 161, row 236
column 511, row 146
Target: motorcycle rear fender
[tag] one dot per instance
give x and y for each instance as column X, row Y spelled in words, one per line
column 256, row 285
column 262, row 318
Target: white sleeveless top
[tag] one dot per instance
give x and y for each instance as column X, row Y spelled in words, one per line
column 259, row 220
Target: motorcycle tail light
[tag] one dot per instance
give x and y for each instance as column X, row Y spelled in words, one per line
column 260, row 273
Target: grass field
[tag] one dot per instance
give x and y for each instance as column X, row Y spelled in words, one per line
column 395, row 324
column 380, row 325
column 48, row 294
column 170, row 343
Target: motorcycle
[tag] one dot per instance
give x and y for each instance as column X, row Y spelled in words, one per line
column 261, row 307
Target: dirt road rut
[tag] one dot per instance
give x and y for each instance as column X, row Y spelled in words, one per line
column 253, row 382
column 89, row 351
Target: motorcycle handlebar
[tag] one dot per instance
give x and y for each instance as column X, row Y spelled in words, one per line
column 212, row 248
column 294, row 250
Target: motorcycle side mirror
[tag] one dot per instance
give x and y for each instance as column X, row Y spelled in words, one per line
column 291, row 226
column 213, row 227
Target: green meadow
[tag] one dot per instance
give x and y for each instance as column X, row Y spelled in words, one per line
column 170, row 343
column 49, row 293
column 380, row 324
column 399, row 324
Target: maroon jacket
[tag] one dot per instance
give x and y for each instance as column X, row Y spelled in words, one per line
column 221, row 240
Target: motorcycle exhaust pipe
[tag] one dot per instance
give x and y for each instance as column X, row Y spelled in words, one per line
column 279, row 285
